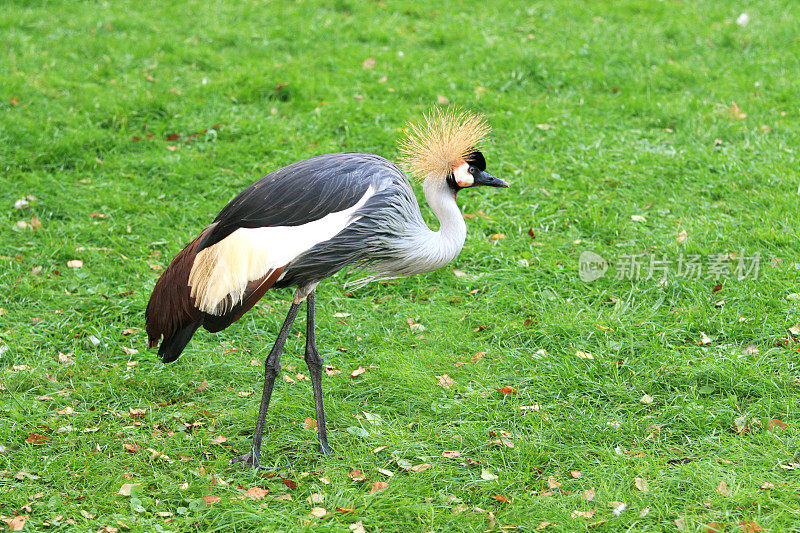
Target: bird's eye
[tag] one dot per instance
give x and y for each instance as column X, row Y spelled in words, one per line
column 472, row 170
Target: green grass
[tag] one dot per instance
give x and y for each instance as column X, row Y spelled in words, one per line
column 601, row 111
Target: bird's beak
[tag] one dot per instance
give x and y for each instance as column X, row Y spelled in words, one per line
column 486, row 179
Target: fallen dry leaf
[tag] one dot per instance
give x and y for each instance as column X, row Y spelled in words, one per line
column 421, row 467
column 445, row 381
column 767, row 486
column 723, row 488
column 309, row 423
column 125, row 489
column 486, row 475
column 219, row 439
column 543, row 525
column 318, row 512
column 680, row 524
column 584, row 355
column 35, row 438
column 256, row 493
column 588, row 494
column 748, row 526
column 451, row 454
column 211, row 499
column 358, row 527
column 17, row 523
column 378, row 486
column 369, row 63
column 507, row 390
column 477, row 357
column 641, row 484
column 136, row 413
column 777, row 423
column 315, row 498
column 638, row 218
column 357, row 372
column 714, row 527
column 442, row 100
column 582, row 514
column 75, row 263
column 357, row 475
column 553, row 482
column 501, row 498
column 646, row 399
column 705, row 339
column 682, row 235
column 576, row 474
column 735, row 112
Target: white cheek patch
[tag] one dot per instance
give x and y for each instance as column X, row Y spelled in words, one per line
column 462, row 175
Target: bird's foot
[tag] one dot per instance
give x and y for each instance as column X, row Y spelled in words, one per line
column 326, row 452
column 248, row 460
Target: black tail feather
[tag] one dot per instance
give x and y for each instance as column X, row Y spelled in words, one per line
column 171, row 347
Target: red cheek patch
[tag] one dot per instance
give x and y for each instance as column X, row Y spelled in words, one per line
column 462, row 175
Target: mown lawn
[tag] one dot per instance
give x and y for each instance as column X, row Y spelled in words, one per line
column 627, row 128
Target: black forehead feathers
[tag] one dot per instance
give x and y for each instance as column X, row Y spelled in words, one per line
column 476, row 159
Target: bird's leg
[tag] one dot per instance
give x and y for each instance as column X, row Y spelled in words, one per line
column 272, row 365
column 315, row 364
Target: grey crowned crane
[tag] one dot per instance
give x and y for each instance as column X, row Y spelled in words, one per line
column 305, row 222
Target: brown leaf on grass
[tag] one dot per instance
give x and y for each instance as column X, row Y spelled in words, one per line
column 219, row 439
column 357, row 527
column 309, row 423
column 173, row 137
column 682, row 235
column 777, row 423
column 35, row 223
column 125, row 489
column 357, row 372
column 442, row 100
column 553, row 482
column 332, row 370
column 318, row 512
column 543, row 525
column 576, row 474
column 501, row 498
column 723, row 488
column 588, row 494
column 477, row 357
column 714, row 527
column 256, row 493
column 357, row 475
column 646, row 399
column 507, row 390
column 369, row 63
column 641, row 484
column 459, row 273
column 705, row 340
column 750, row 349
column 211, row 499
column 421, row 467
column 35, row 438
column 315, row 498
column 378, row 486
column 735, row 112
column 680, row 524
column 445, row 381
column 131, row 448
column 17, row 523
column 584, row 355
column 136, row 413
column 74, row 263
column 582, row 514
column 767, row 486
column 379, row 449
column 748, row 526
column 451, row 454
column 524, row 408
column 480, row 328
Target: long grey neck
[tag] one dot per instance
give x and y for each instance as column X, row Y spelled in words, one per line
column 437, row 248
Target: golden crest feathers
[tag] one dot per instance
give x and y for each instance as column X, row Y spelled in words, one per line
column 433, row 149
